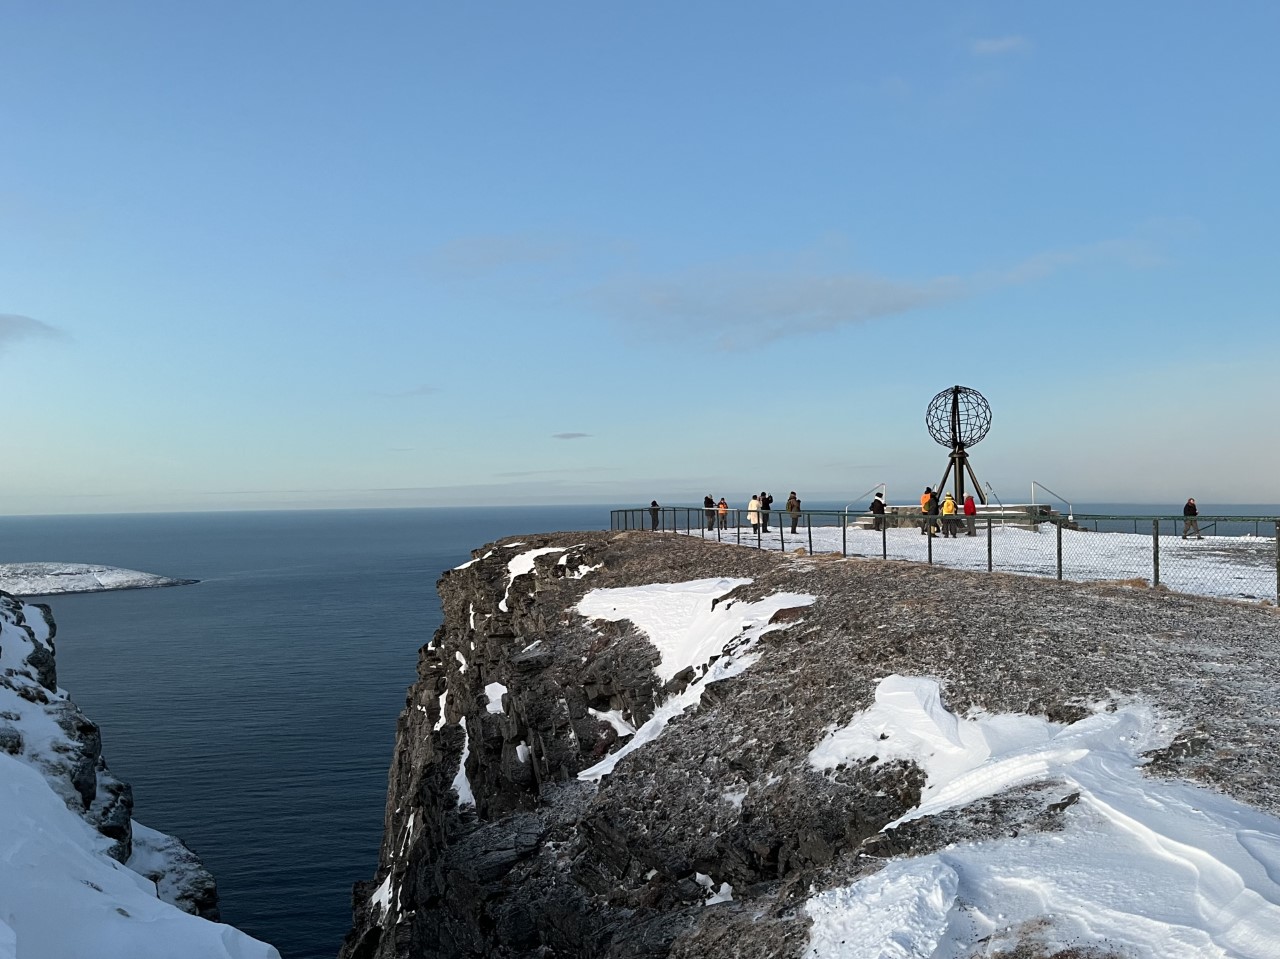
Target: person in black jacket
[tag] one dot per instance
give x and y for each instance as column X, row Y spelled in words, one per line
column 709, row 510
column 877, row 511
column 1189, row 522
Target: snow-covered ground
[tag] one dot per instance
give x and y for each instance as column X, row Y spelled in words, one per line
column 62, row 896
column 1144, row 867
column 1238, row 567
column 50, row 579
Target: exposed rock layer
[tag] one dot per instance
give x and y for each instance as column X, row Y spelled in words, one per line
column 544, row 865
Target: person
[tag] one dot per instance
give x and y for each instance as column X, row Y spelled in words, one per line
column 653, row 514
column 709, row 510
column 928, row 506
column 970, row 515
column 1189, row 522
column 877, row 511
column 724, row 513
column 793, row 507
column 753, row 513
column 766, row 506
column 949, row 520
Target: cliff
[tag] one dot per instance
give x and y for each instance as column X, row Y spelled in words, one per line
column 78, row 877
column 829, row 757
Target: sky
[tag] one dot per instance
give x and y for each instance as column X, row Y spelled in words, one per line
column 277, row 255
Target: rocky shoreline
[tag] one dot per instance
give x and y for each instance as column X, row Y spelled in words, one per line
column 511, row 700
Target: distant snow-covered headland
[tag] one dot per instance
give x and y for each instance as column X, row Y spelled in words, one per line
column 51, row 579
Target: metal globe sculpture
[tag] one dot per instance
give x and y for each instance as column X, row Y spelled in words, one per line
column 958, row 418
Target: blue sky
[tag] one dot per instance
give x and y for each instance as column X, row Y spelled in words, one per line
column 284, row 254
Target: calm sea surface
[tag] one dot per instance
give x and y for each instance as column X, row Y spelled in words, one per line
column 254, row 713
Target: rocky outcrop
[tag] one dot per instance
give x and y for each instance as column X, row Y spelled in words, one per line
column 41, row 726
column 494, row 846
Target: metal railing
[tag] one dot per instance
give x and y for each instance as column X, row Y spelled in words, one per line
column 1225, row 556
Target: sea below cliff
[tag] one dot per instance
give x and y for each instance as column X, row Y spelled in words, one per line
column 254, row 712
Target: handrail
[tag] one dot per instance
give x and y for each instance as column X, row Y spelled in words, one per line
column 884, row 487
column 1034, row 484
column 999, row 502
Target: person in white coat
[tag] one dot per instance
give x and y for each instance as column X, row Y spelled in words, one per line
column 753, row 514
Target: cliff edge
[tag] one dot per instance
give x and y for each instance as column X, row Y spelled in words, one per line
column 645, row 745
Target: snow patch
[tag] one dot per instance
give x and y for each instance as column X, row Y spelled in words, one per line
column 681, row 621
column 1147, row 868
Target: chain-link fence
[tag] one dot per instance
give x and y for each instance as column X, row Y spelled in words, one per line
column 1227, row 556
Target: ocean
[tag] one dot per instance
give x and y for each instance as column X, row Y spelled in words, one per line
column 254, row 713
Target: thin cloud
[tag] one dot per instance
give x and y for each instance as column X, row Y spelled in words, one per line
column 999, row 46
column 575, row 471
column 743, row 308
column 14, row 328
column 473, row 256
column 423, row 390
column 569, row 436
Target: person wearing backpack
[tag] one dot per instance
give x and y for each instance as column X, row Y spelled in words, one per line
column 793, row 508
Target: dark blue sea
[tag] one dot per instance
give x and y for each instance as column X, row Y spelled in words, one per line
column 254, row 713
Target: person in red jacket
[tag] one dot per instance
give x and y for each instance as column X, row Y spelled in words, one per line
column 970, row 516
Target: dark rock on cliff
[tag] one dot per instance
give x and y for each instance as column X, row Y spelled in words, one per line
column 494, row 848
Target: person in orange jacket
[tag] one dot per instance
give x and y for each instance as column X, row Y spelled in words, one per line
column 723, row 507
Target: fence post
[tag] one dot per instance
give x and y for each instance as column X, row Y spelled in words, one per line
column 782, row 539
column 1059, row 525
column 990, row 566
column 884, row 536
column 844, row 535
column 759, row 532
column 1155, row 552
column 1278, row 562
column 737, row 525
column 808, row 521
column 929, row 537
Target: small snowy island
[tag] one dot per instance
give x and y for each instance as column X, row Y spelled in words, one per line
column 52, row 579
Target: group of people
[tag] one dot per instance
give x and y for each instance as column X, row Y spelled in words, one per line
column 949, row 512
column 761, row 505
column 939, row 514
column 759, row 510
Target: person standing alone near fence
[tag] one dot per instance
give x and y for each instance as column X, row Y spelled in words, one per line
column 793, row 508
column 709, row 508
column 724, row 513
column 653, row 514
column 1189, row 522
column 877, row 511
column 970, row 516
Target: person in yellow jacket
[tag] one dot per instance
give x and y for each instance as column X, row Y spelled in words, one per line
column 950, row 517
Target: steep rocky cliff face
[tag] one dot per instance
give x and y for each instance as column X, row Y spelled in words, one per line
column 41, row 726
column 506, row 836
